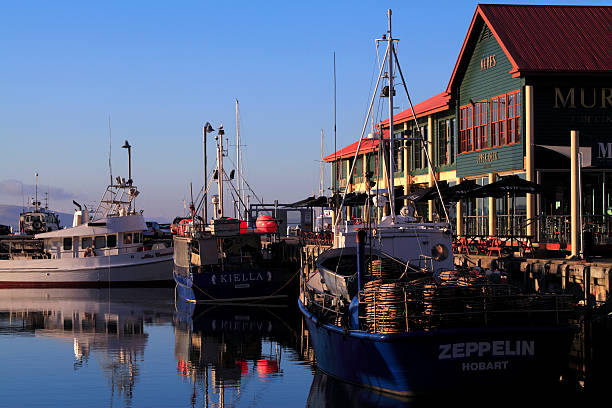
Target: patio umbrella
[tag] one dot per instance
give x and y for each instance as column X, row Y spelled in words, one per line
column 510, row 185
column 459, row 191
column 303, row 203
column 513, row 185
column 425, row 194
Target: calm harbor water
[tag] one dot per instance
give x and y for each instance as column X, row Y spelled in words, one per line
column 141, row 348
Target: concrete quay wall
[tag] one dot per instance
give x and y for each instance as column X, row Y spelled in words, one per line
column 590, row 280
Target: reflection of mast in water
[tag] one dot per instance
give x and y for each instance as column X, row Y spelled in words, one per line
column 228, row 346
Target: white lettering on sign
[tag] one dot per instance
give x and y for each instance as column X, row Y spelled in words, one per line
column 237, row 277
column 498, row 348
column 485, row 366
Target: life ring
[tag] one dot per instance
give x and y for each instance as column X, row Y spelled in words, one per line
column 37, row 224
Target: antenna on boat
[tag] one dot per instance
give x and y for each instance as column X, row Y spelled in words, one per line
column 36, row 192
column 321, row 167
column 110, row 144
column 127, row 146
column 238, row 152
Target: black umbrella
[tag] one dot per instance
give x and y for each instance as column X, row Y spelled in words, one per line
column 321, row 201
column 459, row 191
column 512, row 185
column 425, row 194
column 303, row 203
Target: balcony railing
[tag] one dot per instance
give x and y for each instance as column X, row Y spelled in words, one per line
column 549, row 228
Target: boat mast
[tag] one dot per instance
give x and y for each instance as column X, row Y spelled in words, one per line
column 219, row 137
column 391, row 135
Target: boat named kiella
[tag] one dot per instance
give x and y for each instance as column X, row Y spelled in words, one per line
column 227, row 260
column 104, row 249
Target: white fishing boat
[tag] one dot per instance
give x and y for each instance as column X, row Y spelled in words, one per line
column 104, row 249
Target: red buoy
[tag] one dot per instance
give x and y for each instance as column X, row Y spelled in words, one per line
column 266, row 224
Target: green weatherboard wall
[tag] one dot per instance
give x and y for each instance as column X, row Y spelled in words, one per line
column 478, row 85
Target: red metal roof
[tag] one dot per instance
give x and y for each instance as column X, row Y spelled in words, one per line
column 568, row 39
column 434, row 104
column 368, row 145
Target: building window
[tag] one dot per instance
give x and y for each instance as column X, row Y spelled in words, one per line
column 67, row 244
column 111, row 241
column 398, row 154
column 443, row 142
column 514, row 118
column 480, row 125
column 451, row 133
column 506, row 119
column 372, row 159
column 446, row 142
column 498, row 120
column 359, row 167
column 466, row 129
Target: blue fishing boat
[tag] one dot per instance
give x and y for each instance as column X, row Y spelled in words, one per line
column 388, row 311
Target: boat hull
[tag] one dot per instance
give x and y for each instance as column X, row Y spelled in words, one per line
column 148, row 268
column 238, row 283
column 426, row 362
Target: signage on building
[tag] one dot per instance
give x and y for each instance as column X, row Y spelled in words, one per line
column 486, row 157
column 601, row 153
column 585, row 98
column 487, row 62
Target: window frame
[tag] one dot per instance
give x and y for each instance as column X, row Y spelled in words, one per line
column 508, row 118
column 83, row 240
column 99, row 238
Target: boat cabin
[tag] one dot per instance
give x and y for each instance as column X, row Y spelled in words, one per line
column 33, row 222
column 103, row 237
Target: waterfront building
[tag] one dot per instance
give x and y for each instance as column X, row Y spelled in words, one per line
column 525, row 79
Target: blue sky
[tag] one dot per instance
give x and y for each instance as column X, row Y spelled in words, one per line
column 162, row 69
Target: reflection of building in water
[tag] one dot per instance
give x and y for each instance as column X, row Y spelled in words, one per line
column 224, row 348
column 106, row 324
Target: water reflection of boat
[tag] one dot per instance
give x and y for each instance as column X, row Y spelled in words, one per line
column 327, row 391
column 103, row 325
column 223, row 347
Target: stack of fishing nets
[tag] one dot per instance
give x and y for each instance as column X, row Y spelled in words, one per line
column 385, row 268
column 384, row 307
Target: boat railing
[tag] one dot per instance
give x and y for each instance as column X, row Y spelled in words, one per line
column 396, row 306
column 392, row 307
